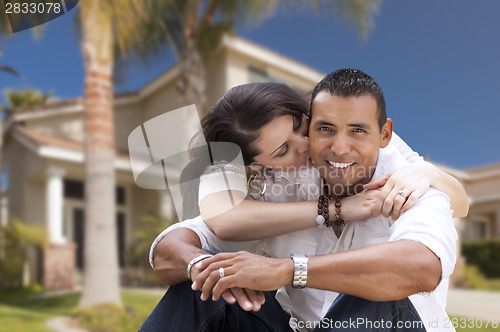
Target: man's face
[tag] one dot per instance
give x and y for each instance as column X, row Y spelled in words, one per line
column 345, row 139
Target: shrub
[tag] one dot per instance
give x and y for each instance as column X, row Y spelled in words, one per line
column 483, row 254
column 469, row 276
column 15, row 239
column 138, row 271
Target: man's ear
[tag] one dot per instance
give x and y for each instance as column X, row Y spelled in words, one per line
column 386, row 133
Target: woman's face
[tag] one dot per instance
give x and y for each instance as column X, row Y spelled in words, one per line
column 284, row 143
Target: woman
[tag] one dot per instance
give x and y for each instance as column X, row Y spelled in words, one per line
column 260, row 115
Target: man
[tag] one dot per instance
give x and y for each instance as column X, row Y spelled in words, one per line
column 348, row 128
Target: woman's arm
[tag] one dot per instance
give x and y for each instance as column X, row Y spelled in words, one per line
column 251, row 220
column 414, row 180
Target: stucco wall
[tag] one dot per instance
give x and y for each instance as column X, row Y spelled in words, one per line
column 70, row 126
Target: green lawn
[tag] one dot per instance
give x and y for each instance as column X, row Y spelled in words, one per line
column 470, row 325
column 493, row 284
column 22, row 315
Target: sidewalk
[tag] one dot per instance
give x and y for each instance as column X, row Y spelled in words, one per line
column 473, row 303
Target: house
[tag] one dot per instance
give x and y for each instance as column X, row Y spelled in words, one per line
column 44, row 152
column 43, row 158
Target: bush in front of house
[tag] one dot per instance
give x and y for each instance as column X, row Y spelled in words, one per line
column 138, row 272
column 15, row 240
column 485, row 254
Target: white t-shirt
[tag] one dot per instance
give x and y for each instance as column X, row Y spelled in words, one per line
column 428, row 222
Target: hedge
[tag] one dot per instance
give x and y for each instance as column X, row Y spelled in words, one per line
column 485, row 254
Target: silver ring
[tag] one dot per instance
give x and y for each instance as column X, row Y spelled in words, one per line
column 221, row 272
column 402, row 193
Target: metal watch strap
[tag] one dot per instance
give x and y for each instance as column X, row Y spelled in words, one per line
column 299, row 270
column 194, row 261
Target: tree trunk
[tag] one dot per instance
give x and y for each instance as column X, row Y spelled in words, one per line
column 192, row 81
column 101, row 271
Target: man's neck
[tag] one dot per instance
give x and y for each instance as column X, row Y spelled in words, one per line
column 347, row 190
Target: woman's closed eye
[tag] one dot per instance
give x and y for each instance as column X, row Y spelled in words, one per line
column 283, row 152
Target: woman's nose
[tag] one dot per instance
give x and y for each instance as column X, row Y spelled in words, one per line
column 303, row 144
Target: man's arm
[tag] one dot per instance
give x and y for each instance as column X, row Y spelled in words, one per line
column 381, row 272
column 173, row 253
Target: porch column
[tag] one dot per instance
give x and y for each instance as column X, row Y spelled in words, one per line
column 166, row 205
column 54, row 204
column 460, row 226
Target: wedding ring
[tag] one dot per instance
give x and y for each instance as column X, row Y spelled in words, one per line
column 402, row 193
column 221, row 272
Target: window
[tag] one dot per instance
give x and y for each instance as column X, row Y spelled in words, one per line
column 120, row 195
column 74, row 189
column 479, row 228
column 257, row 75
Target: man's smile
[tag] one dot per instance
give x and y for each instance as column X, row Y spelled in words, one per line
column 339, row 164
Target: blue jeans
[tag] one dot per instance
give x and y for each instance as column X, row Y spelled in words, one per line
column 181, row 309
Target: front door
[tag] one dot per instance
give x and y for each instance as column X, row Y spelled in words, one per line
column 79, row 236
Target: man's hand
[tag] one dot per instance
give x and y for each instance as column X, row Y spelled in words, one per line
column 248, row 299
column 241, row 269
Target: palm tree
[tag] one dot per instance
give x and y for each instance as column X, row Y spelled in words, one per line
column 3, row 112
column 192, row 29
column 24, row 97
column 104, row 24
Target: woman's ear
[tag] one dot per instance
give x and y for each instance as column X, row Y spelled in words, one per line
column 255, row 166
column 386, row 133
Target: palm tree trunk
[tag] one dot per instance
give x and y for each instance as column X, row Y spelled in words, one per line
column 101, row 272
column 192, row 84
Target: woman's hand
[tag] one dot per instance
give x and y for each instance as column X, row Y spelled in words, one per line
column 400, row 190
column 241, row 269
column 358, row 207
column 248, row 299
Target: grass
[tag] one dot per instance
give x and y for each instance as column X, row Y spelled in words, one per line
column 30, row 315
column 493, row 284
column 23, row 315
column 463, row 324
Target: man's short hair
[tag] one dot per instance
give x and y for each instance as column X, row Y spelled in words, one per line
column 352, row 83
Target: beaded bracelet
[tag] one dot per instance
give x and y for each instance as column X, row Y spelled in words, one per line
column 323, row 218
column 339, row 221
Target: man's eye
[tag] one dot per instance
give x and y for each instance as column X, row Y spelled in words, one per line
column 359, row 130
column 324, row 129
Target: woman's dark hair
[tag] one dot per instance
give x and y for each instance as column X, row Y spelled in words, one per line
column 237, row 118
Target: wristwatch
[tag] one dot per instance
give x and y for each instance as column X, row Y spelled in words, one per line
column 299, row 271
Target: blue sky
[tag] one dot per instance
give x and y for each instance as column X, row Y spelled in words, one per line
column 438, row 63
